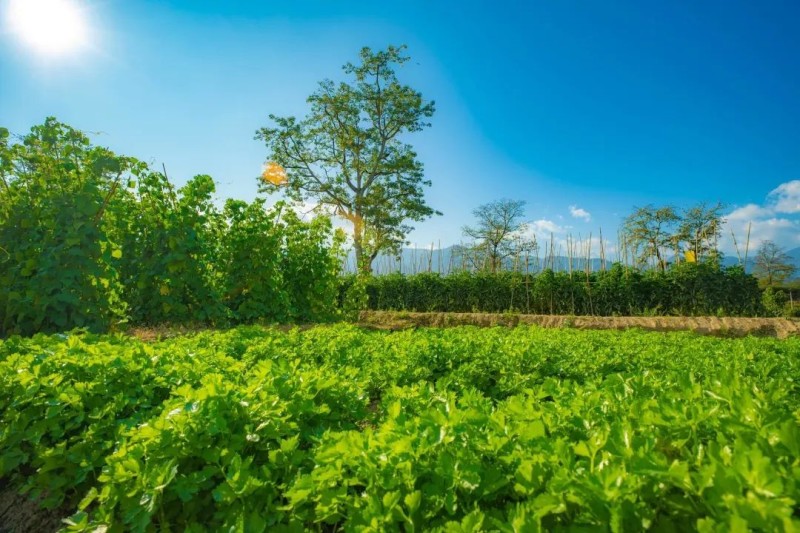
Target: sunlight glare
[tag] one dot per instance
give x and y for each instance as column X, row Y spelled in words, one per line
column 50, row 27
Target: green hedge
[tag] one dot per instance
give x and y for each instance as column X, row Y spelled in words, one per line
column 685, row 289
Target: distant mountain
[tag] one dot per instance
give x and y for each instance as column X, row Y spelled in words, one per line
column 450, row 259
column 751, row 263
column 795, row 255
column 729, row 261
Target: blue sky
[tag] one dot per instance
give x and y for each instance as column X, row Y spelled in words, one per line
column 583, row 109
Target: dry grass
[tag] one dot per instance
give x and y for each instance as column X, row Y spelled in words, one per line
column 729, row 326
column 396, row 320
column 166, row 331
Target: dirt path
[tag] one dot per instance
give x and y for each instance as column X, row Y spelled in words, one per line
column 19, row 514
column 729, row 326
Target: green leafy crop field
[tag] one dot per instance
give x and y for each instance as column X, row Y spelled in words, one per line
column 336, row 428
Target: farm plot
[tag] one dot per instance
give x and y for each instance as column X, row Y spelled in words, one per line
column 460, row 429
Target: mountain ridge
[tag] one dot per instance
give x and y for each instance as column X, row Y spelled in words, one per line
column 446, row 260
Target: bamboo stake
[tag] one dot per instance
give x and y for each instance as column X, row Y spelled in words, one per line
column 736, row 246
column 747, row 245
column 569, row 255
column 450, row 262
column 527, row 284
column 588, row 273
column 602, row 252
column 560, row 254
column 589, row 256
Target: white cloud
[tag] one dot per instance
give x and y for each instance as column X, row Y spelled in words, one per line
column 785, row 198
column 775, row 220
column 564, row 241
column 748, row 213
column 578, row 212
column 544, row 226
column 783, row 231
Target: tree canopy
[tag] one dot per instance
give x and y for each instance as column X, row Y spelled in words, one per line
column 653, row 232
column 497, row 233
column 349, row 155
column 773, row 265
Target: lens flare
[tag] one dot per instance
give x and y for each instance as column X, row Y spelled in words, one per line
column 49, row 27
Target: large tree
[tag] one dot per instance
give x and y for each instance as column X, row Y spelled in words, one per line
column 497, row 233
column 773, row 265
column 650, row 232
column 700, row 229
column 349, row 153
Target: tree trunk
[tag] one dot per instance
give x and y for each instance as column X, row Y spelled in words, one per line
column 661, row 265
column 363, row 263
column 359, row 251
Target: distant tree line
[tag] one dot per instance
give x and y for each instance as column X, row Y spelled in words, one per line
column 653, row 237
column 672, row 265
column 689, row 289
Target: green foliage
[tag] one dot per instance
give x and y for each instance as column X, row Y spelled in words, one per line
column 652, row 233
column 91, row 239
column 775, row 301
column 251, row 255
column 700, row 228
column 461, row 429
column 311, row 264
column 353, row 297
column 59, row 268
column 169, row 241
column 649, row 231
column 684, row 289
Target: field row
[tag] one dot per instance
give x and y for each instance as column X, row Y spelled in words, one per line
column 462, row 429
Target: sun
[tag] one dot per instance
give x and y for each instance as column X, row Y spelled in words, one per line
column 49, row 27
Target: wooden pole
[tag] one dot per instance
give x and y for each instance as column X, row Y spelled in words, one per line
column 602, row 251
column 736, row 246
column 589, row 255
column 747, row 246
column 569, row 254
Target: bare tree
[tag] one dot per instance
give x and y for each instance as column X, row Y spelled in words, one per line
column 498, row 233
column 773, row 266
